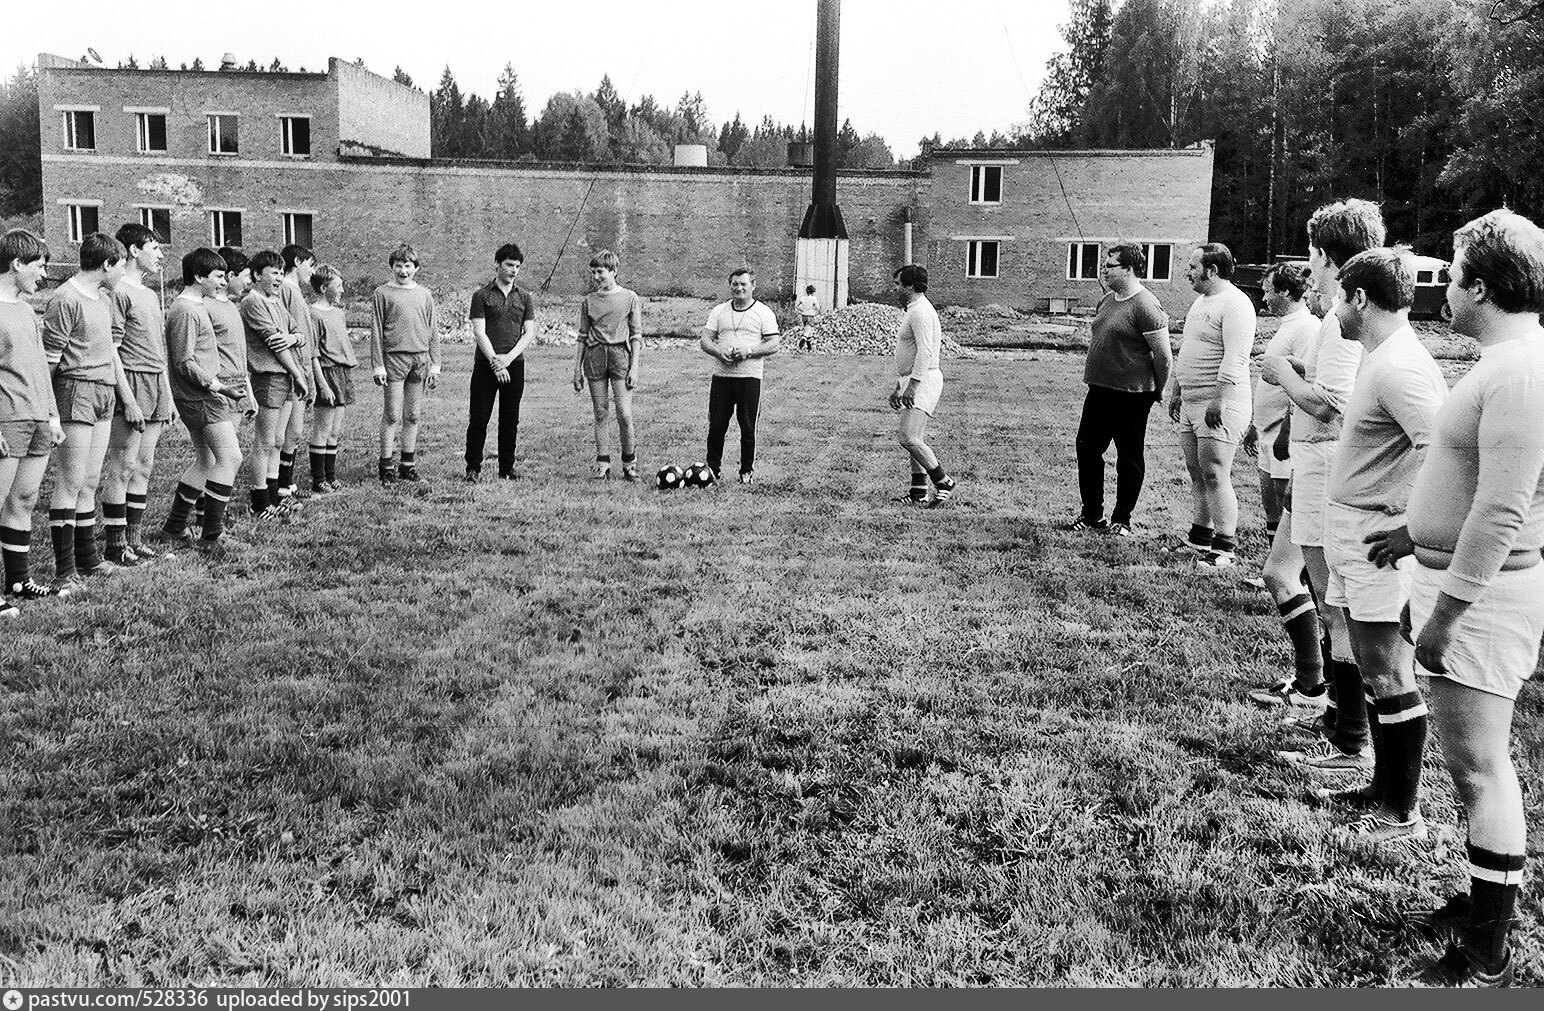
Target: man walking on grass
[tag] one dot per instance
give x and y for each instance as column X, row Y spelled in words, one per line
column 918, row 385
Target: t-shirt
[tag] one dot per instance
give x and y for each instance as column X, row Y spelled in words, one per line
column 1119, row 357
column 1332, row 371
column 330, row 324
column 743, row 329
column 1213, row 359
column 138, row 332
column 610, row 317
column 25, row 392
column 807, row 305
column 1387, row 426
column 300, row 322
column 1480, row 492
column 1296, row 338
column 78, row 334
column 404, row 320
column 262, row 318
column 192, row 348
column 504, row 316
column 230, row 334
column 917, row 343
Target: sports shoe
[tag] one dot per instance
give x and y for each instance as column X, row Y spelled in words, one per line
column 334, row 485
column 602, row 470
column 745, row 477
column 907, row 498
column 69, row 586
column 268, row 516
column 29, row 589
column 410, row 475
column 1377, row 828
column 1358, row 798
column 1457, row 968
column 219, row 549
column 388, row 478
column 629, row 471
column 124, row 558
column 1214, row 560
column 145, row 551
column 172, row 542
column 509, row 475
column 1083, row 523
column 473, row 475
column 1442, row 924
column 942, row 492
column 1325, row 757
column 8, row 609
column 102, row 568
column 1254, row 582
column 1119, row 529
column 1296, row 705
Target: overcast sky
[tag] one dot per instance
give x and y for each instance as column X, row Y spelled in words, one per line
column 908, row 67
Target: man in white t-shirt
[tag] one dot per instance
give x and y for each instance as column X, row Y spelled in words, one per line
column 739, row 333
column 919, row 383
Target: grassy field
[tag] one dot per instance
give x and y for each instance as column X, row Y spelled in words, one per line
column 560, row 732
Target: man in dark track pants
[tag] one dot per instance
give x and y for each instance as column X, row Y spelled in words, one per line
column 503, row 324
column 739, row 333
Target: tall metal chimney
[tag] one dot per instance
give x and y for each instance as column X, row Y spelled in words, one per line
column 822, row 245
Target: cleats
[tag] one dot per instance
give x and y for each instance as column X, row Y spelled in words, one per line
column 473, row 475
column 943, row 491
column 508, row 475
column 69, row 586
column 409, row 475
column 28, row 589
column 1380, row 830
column 124, row 558
column 1211, row 561
column 1326, row 758
column 1458, row 968
column 1118, row 529
column 602, row 471
column 1358, row 798
column 629, row 471
column 1083, row 523
column 1295, row 705
column 8, row 609
column 145, row 552
column 746, row 477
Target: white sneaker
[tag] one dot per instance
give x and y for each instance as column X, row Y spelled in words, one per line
column 1295, row 705
column 1213, row 560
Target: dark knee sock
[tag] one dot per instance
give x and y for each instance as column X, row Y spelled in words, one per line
column 409, row 462
column 1200, row 537
column 61, row 530
column 938, row 475
column 318, row 457
column 1326, row 659
column 87, row 556
column 1270, row 531
column 286, row 468
column 1401, row 735
column 216, row 496
column 330, row 464
column 918, row 485
column 182, row 507
column 16, row 545
column 1494, row 880
column 260, row 500
column 134, row 515
column 1224, row 543
column 1301, row 623
column 115, row 523
column 1351, row 733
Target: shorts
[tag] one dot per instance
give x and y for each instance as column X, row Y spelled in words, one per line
column 1310, row 491
column 605, row 361
column 1235, row 420
column 150, row 393
column 1266, row 456
column 83, row 402
column 341, row 379
column 211, row 409
column 1369, row 593
column 272, row 389
column 407, row 366
column 929, row 390
column 28, row 438
column 1495, row 647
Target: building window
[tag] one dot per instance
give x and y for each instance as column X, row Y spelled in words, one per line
column 79, row 130
column 986, row 184
column 150, row 132
column 84, row 219
column 981, row 257
column 295, row 135
column 1160, row 261
column 1083, row 261
column 159, row 221
column 225, row 228
column 297, row 229
column 222, row 132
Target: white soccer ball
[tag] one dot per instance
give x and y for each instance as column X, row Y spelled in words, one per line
column 669, row 477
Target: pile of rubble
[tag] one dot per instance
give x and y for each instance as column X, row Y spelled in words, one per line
column 866, row 328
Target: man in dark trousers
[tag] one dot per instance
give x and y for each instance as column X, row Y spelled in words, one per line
column 1126, row 372
column 503, row 324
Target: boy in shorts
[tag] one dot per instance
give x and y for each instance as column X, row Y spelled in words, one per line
column 299, row 265
column 139, row 335
column 208, row 407
column 404, row 359
column 78, row 335
column 29, row 421
column 335, row 361
column 277, row 378
column 610, row 345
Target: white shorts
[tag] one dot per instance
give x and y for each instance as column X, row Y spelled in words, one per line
column 928, row 390
column 1369, row 593
column 1310, row 491
column 1265, row 456
column 1496, row 646
column 1235, row 420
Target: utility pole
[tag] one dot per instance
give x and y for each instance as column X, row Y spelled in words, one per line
column 821, row 257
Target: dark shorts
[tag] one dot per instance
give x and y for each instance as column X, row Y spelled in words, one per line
column 150, row 393
column 27, row 438
column 605, row 361
column 341, row 379
column 407, row 366
column 272, row 389
column 210, row 409
column 82, row 402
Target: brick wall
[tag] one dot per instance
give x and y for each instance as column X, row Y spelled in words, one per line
column 378, row 114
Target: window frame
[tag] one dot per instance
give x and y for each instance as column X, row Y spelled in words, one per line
column 288, row 221
column 217, row 133
column 142, row 138
column 978, row 185
column 1076, row 260
column 287, row 135
column 973, row 250
column 1148, row 248
column 74, row 216
column 147, row 216
column 219, row 236
column 71, row 127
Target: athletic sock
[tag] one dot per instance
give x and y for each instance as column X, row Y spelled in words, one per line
column 1401, row 721
column 134, row 515
column 277, row 492
column 216, row 496
column 15, row 544
column 286, row 468
column 330, row 463
column 61, row 530
column 182, row 505
column 603, row 458
column 1200, row 537
column 1224, row 543
column 116, row 524
column 938, row 475
column 87, row 557
column 388, row 468
column 318, row 455
column 198, row 512
column 1270, row 531
column 1331, row 711
column 1301, row 622
column 260, row 500
column 918, row 490
column 1382, row 755
column 1351, row 730
column 629, row 457
column 1494, row 881
column 409, row 460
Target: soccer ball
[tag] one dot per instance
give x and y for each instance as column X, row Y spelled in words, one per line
column 699, row 475
column 669, row 477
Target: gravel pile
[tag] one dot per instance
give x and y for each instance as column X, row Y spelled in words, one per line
column 867, row 328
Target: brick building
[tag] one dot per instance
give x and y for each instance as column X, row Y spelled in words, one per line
column 340, row 162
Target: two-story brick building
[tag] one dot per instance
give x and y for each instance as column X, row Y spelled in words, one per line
column 340, row 162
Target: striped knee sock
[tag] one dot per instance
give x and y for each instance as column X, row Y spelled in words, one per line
column 87, row 557
column 1301, row 622
column 216, row 496
column 134, row 515
column 409, row 462
column 318, row 457
column 61, row 530
column 115, row 522
column 15, row 544
column 1399, row 744
column 1494, row 881
column 182, row 506
column 286, row 474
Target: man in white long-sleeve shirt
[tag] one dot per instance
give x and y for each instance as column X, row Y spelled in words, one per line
column 1476, row 526
column 919, row 382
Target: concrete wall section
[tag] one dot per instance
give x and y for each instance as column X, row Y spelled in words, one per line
column 378, row 115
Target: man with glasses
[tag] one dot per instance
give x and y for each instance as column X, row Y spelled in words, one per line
column 1126, row 372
